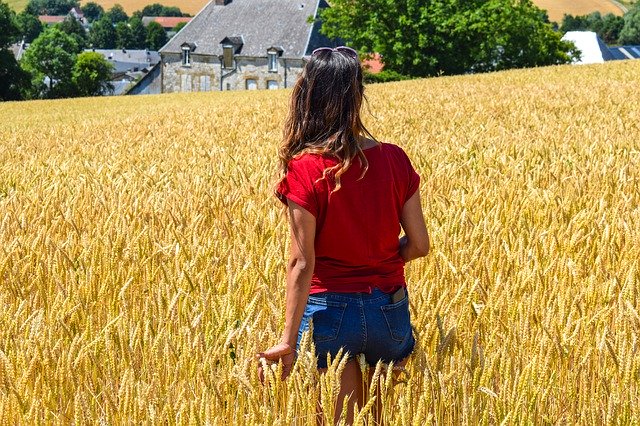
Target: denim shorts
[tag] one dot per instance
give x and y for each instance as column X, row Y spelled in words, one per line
column 360, row 323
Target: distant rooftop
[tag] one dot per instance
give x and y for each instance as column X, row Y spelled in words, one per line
column 52, row 19
column 166, row 21
column 594, row 51
column 125, row 60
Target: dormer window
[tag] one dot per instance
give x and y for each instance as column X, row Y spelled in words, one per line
column 272, row 57
column 186, row 56
column 187, row 48
column 227, row 56
column 273, row 61
column 231, row 46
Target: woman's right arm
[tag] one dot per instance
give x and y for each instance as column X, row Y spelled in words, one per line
column 415, row 242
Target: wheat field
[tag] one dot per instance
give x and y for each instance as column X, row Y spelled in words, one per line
column 143, row 255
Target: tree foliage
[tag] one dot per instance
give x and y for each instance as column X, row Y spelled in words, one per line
column 157, row 9
column 12, row 78
column 50, row 60
column 30, row 26
column 51, row 7
column 117, row 14
column 124, row 37
column 92, row 74
column 10, row 32
column 103, row 34
column 178, row 27
column 630, row 33
column 71, row 26
column 138, row 33
column 92, row 11
column 156, row 36
column 608, row 27
column 422, row 37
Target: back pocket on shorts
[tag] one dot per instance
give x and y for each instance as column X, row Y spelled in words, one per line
column 397, row 318
column 327, row 318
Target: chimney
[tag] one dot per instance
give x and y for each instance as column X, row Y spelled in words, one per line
column 221, row 2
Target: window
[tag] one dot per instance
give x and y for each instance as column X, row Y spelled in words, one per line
column 252, row 84
column 205, row 83
column 273, row 61
column 186, row 83
column 272, row 84
column 186, row 56
column 227, row 56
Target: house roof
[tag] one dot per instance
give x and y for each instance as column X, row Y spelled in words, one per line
column 592, row 48
column 260, row 23
column 52, row 19
column 373, row 64
column 625, row 52
column 165, row 21
column 124, row 60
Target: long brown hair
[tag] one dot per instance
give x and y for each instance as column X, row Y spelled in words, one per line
column 324, row 114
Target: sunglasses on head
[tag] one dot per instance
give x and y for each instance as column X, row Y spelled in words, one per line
column 343, row 49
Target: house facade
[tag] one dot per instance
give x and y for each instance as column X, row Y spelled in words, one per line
column 242, row 45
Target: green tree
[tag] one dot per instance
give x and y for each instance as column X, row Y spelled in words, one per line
column 103, row 34
column 92, row 74
column 124, row 37
column 178, row 27
column 92, row 11
column 50, row 60
column 30, row 26
column 630, row 33
column 117, row 14
column 611, row 27
column 138, row 33
column 422, row 37
column 156, row 36
column 608, row 27
column 156, row 9
column 10, row 31
column 71, row 26
column 12, row 78
column 51, row 7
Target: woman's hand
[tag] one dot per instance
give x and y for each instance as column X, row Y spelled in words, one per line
column 280, row 352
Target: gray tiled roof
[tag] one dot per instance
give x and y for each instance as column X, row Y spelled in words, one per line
column 124, row 60
column 260, row 23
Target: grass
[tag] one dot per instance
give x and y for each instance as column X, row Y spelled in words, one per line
column 143, row 254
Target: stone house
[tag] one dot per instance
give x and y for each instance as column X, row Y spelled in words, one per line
column 242, row 45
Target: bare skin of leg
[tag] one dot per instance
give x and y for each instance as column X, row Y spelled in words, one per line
column 377, row 408
column 351, row 388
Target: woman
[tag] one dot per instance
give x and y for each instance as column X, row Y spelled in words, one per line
column 347, row 196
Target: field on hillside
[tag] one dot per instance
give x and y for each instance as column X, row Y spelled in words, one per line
column 558, row 8
column 143, row 254
column 188, row 6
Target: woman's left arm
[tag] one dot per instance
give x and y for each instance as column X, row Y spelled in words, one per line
column 299, row 272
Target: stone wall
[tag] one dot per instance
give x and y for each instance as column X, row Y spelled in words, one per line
column 203, row 74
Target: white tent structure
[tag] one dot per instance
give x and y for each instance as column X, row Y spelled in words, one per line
column 592, row 48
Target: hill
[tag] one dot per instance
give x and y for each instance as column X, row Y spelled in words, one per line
column 143, row 254
column 558, row 8
column 188, row 6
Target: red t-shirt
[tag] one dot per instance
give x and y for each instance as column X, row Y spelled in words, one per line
column 357, row 227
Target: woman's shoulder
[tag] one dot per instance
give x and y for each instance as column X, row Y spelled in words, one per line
column 310, row 163
column 393, row 150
